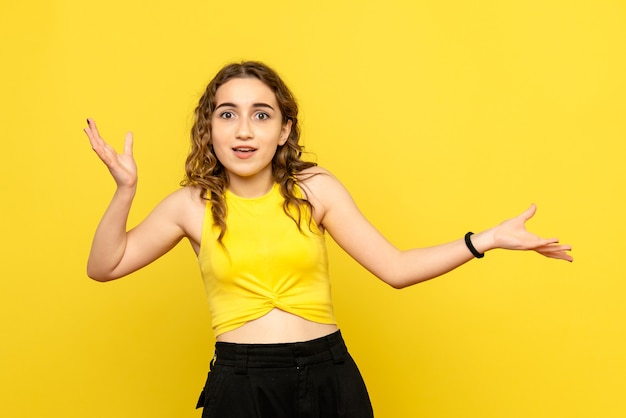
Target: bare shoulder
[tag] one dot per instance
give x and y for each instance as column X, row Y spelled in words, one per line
column 317, row 183
column 186, row 207
column 188, row 195
column 317, row 179
column 323, row 190
column 184, row 200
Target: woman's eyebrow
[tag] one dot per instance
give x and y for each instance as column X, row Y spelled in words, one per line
column 263, row 105
column 228, row 104
column 225, row 104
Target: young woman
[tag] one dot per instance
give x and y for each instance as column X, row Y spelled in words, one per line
column 256, row 214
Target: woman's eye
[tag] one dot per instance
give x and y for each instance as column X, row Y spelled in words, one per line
column 262, row 116
column 227, row 115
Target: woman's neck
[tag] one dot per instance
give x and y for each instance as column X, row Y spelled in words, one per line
column 250, row 187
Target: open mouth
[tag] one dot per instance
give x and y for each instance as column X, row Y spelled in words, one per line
column 244, row 152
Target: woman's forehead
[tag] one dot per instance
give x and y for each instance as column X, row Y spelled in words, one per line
column 244, row 91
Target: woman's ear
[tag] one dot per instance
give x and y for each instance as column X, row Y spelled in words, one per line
column 285, row 132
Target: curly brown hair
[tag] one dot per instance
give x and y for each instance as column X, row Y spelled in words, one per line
column 204, row 170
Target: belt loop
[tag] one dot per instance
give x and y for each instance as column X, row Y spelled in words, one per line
column 241, row 359
column 337, row 348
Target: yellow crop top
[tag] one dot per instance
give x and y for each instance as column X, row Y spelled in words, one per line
column 268, row 263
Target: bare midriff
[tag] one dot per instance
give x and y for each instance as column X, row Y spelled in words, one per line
column 277, row 326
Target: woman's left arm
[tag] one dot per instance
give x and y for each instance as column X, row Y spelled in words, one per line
column 340, row 216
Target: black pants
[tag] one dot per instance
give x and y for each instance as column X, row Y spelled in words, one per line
column 312, row 379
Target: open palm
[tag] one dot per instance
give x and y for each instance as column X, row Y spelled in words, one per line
column 122, row 166
column 512, row 235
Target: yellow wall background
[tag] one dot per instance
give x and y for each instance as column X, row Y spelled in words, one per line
column 440, row 116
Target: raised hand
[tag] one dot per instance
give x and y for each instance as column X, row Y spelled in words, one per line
column 121, row 166
column 512, row 235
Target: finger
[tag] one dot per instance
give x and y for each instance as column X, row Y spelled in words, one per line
column 92, row 133
column 104, row 151
column 529, row 213
column 93, row 140
column 90, row 122
column 556, row 251
column 562, row 256
column 549, row 241
column 93, row 127
column 128, row 144
column 559, row 256
column 554, row 247
column 560, row 248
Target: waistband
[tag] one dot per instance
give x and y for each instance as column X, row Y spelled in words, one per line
column 300, row 354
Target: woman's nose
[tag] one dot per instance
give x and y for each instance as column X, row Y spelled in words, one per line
column 244, row 129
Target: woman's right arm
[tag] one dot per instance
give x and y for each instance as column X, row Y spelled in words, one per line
column 114, row 251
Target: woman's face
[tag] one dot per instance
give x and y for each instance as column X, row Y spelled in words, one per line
column 246, row 129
